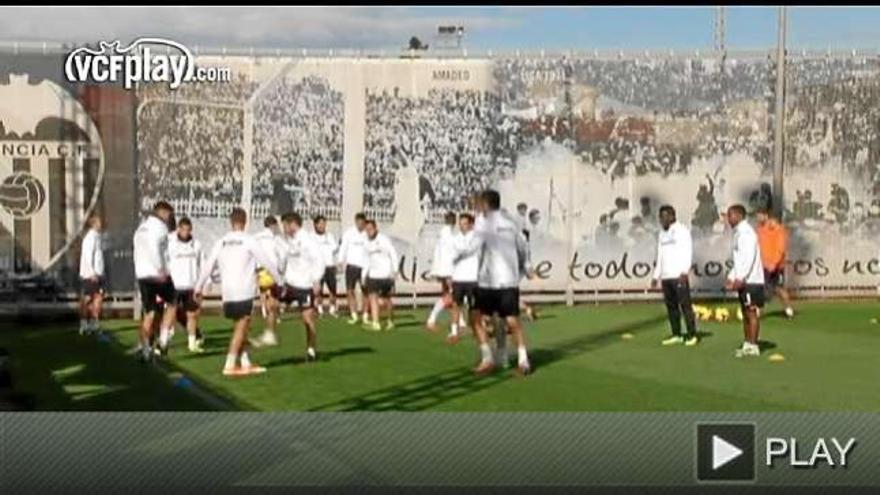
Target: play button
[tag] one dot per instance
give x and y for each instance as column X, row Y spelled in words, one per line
column 725, row 452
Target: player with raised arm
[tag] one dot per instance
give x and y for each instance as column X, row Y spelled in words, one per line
column 329, row 247
column 354, row 259
column 236, row 256
column 464, row 277
column 154, row 280
column 272, row 244
column 378, row 277
column 185, row 258
column 746, row 278
column 441, row 269
column 302, row 267
column 503, row 257
column 671, row 271
column 92, row 276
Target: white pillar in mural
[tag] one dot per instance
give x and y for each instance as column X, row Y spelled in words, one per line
column 354, row 142
column 247, row 163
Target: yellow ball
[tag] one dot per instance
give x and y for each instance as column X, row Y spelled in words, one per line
column 265, row 279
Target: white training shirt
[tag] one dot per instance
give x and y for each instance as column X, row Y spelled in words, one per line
column 302, row 263
column 184, row 261
column 381, row 257
column 272, row 246
column 502, row 250
column 151, row 248
column 444, row 253
column 747, row 264
column 91, row 257
column 329, row 247
column 674, row 252
column 236, row 255
column 352, row 252
column 467, row 267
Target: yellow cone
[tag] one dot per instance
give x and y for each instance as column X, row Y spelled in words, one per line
column 627, row 336
column 776, row 357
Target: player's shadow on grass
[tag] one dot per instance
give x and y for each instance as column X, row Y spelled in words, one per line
column 429, row 391
column 766, row 345
column 322, row 356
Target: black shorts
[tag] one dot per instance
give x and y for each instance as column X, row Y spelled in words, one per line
column 503, row 302
column 383, row 287
column 304, row 298
column 155, row 294
column 185, row 299
column 751, row 296
column 774, row 278
column 352, row 276
column 329, row 279
column 236, row 310
column 93, row 287
column 464, row 291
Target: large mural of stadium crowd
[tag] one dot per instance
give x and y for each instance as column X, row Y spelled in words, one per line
column 583, row 150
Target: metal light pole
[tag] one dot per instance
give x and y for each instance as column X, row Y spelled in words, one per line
column 779, row 115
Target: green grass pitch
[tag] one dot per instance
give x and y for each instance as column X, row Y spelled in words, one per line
column 581, row 361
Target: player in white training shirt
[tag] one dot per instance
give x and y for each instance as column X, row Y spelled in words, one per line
column 441, row 269
column 236, row 255
column 154, row 280
column 272, row 243
column 92, row 276
column 503, row 264
column 746, row 278
column 329, row 247
column 302, row 268
column 464, row 277
column 185, row 262
column 353, row 257
column 379, row 276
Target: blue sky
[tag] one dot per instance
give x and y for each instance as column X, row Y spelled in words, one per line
column 488, row 28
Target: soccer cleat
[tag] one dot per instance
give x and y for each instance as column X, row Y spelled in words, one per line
column 524, row 369
column 691, row 341
column 452, row 338
column 311, row 356
column 145, row 354
column 353, row 320
column 269, row 338
column 674, row 340
column 233, row 371
column 789, row 313
column 389, row 325
column 253, row 369
column 196, row 348
column 431, row 326
column 372, row 326
column 747, row 351
column 484, row 368
column 334, row 312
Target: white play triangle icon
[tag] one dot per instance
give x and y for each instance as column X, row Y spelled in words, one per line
column 723, row 452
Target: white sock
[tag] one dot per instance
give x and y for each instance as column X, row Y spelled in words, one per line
column 522, row 356
column 453, row 329
column 366, row 316
column 321, row 309
column 435, row 312
column 334, row 310
column 191, row 340
column 461, row 322
column 486, row 353
column 245, row 360
column 83, row 324
column 310, row 351
column 164, row 336
column 230, row 361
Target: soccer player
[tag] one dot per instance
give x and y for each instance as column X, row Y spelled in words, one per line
column 503, row 257
column 671, row 271
column 746, row 277
column 329, row 247
column 272, row 245
column 353, row 257
column 303, row 267
column 773, row 240
column 441, row 269
column 154, row 281
column 236, row 255
column 184, row 263
column 91, row 274
column 379, row 276
column 464, row 277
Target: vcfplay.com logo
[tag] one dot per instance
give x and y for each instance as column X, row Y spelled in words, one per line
column 147, row 60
